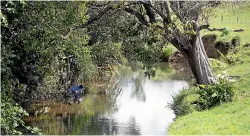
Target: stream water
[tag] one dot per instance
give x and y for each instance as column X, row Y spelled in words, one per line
column 132, row 105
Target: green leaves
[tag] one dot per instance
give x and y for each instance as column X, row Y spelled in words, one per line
column 155, row 31
column 182, row 101
column 83, row 12
column 32, row 43
column 201, row 97
column 11, row 115
column 215, row 94
column 225, row 32
column 167, row 51
column 3, row 18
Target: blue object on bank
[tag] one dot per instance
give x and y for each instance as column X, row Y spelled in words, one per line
column 75, row 89
column 77, row 92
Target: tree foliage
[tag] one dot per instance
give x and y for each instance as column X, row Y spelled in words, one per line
column 32, row 45
column 176, row 22
column 138, row 43
column 38, row 38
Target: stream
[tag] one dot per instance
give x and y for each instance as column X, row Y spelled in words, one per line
column 132, row 105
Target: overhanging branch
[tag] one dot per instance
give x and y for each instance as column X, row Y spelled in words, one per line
column 168, row 21
column 140, row 17
column 90, row 21
column 203, row 27
column 216, row 29
column 207, row 27
column 149, row 5
column 150, row 13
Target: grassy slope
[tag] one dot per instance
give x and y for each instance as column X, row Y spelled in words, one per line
column 229, row 118
column 230, row 21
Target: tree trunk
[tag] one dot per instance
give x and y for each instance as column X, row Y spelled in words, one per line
column 198, row 61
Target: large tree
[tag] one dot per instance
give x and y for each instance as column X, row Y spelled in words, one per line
column 177, row 21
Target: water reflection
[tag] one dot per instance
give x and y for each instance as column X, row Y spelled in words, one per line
column 133, row 106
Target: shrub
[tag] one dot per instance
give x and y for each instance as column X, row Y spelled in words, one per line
column 216, row 64
column 231, row 58
column 215, row 94
column 225, row 32
column 11, row 119
column 167, row 51
column 201, row 97
column 183, row 101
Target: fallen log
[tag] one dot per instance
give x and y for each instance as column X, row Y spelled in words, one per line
column 238, row 30
column 216, row 29
column 220, row 29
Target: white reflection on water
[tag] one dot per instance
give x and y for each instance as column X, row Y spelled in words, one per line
column 136, row 106
column 150, row 114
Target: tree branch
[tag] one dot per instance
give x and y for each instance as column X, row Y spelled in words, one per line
column 155, row 9
column 185, row 44
column 216, row 29
column 176, row 10
column 140, row 17
column 207, row 27
column 150, row 13
column 90, row 21
column 203, row 27
column 167, row 12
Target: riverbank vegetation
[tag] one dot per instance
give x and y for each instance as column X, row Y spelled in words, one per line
column 41, row 57
column 49, row 46
column 226, row 118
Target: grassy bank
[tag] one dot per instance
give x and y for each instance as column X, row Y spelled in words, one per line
column 233, row 117
column 229, row 118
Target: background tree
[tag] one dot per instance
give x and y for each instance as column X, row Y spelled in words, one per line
column 116, row 26
column 176, row 21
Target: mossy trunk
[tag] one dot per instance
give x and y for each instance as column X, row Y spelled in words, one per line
column 198, row 61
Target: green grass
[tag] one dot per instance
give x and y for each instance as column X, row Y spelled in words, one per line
column 229, row 118
column 230, row 15
column 233, row 117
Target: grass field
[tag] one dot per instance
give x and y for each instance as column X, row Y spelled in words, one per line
column 230, row 14
column 234, row 117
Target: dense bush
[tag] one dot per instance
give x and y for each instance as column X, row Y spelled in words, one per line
column 182, row 101
column 32, row 50
column 216, row 94
column 201, row 97
column 11, row 118
column 167, row 51
column 225, row 32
